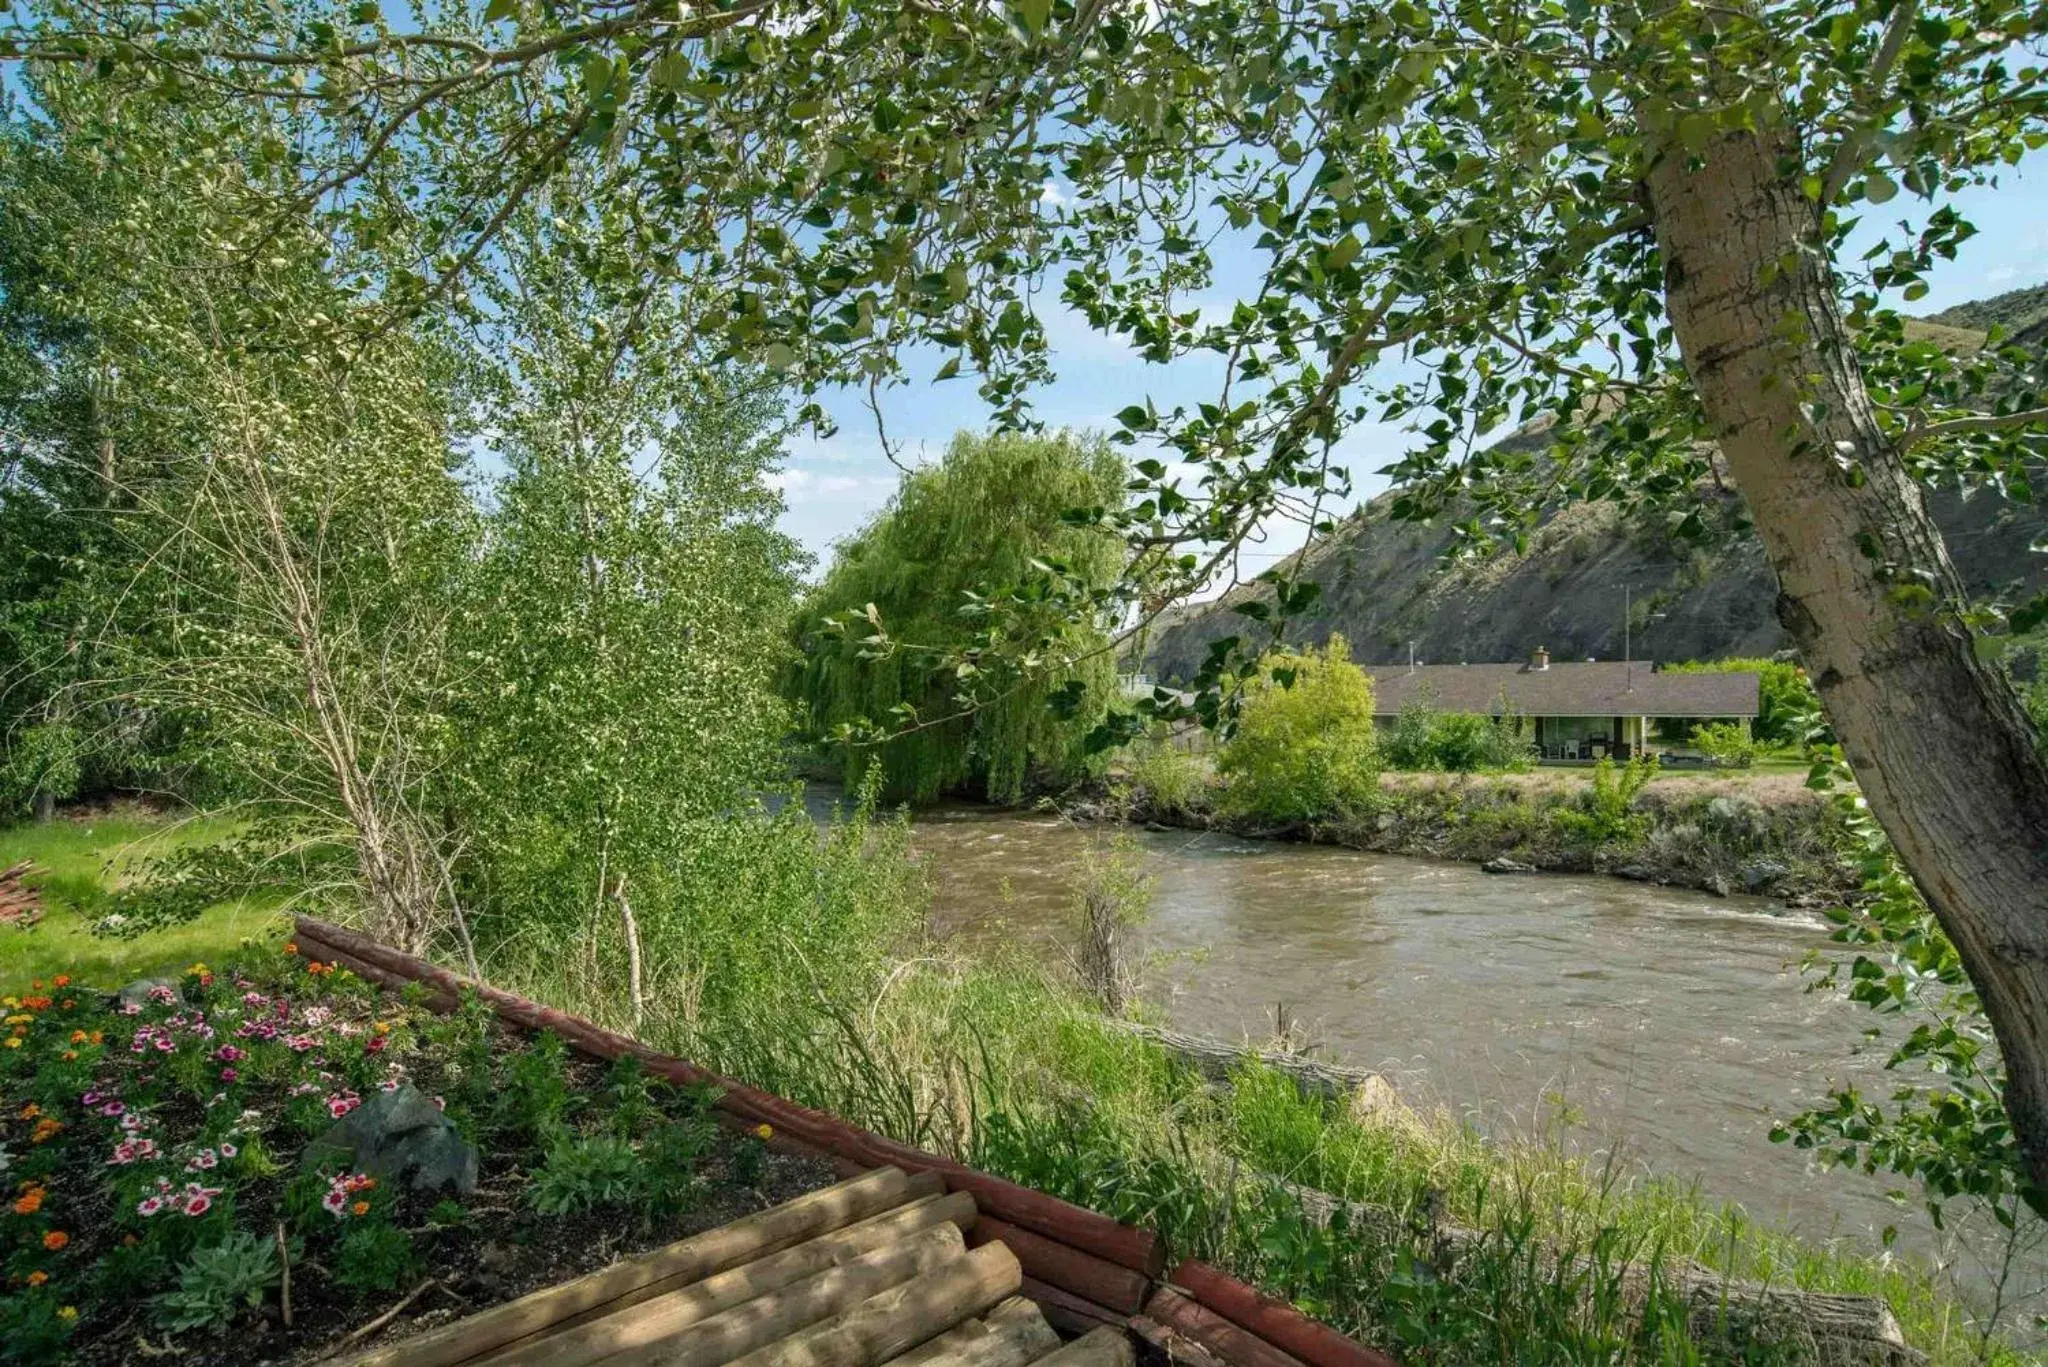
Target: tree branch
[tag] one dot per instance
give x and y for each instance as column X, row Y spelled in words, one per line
column 1986, row 422
column 1848, row 151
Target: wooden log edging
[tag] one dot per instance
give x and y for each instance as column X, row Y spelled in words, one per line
column 1085, row 1269
column 1277, row 1322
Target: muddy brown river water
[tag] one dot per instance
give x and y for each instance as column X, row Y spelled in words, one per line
column 1667, row 1027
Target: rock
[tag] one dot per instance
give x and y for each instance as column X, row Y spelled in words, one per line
column 1716, row 884
column 1500, row 863
column 1760, row 875
column 398, row 1136
column 137, row 992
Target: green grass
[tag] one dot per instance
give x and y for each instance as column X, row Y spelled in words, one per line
column 80, row 857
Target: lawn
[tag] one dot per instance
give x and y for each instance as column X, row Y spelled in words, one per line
column 79, row 856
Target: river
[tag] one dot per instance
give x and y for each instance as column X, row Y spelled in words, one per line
column 1670, row 1026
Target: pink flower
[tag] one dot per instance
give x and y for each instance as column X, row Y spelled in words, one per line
column 228, row 1075
column 202, row 1160
column 301, row 1043
column 149, row 1205
column 132, row 1009
column 196, row 1206
column 439, row 1104
column 113, row 1108
column 229, row 1053
column 164, row 1044
column 375, row 1044
column 227, row 1150
column 162, row 994
column 389, row 1084
column 341, row 1103
column 91, row 1098
column 255, row 999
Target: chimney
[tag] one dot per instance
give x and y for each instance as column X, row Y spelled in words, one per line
column 1541, row 658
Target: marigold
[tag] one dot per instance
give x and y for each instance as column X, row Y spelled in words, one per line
column 97, row 1036
column 78, row 1036
column 765, row 1131
column 36, row 1003
column 55, row 1240
column 46, row 1130
column 31, row 1111
column 62, row 980
column 68, row 1312
column 291, row 946
column 38, row 1277
column 361, row 1207
column 14, row 1041
column 30, row 1203
column 68, row 1055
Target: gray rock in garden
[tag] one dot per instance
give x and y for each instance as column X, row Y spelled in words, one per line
column 1500, row 863
column 137, row 992
column 398, row 1136
column 1760, row 874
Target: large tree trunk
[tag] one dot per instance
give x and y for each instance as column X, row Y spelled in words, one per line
column 1938, row 741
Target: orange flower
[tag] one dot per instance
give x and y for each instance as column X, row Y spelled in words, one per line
column 96, row 1036
column 36, row 1003
column 68, row 1055
column 46, row 1130
column 70, row 1002
column 62, row 980
column 361, row 1207
column 37, row 984
column 31, row 1111
column 55, row 1240
column 38, row 1277
column 30, row 1203
column 291, row 946
column 78, row 1036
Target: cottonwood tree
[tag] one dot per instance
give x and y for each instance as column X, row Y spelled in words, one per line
column 1632, row 213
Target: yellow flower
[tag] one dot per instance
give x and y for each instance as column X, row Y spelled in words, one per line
column 765, row 1131
column 10, row 1002
column 67, row 1312
column 14, row 1041
column 196, row 969
column 20, row 1020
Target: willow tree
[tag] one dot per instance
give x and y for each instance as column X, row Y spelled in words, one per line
column 1629, row 211
column 973, row 688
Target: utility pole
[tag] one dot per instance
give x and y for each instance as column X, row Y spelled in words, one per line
column 1628, row 656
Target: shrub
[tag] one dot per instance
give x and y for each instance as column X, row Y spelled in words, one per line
column 1170, row 780
column 220, row 1282
column 375, row 1256
column 1725, row 742
column 1606, row 814
column 583, row 1174
column 1422, row 738
column 1304, row 746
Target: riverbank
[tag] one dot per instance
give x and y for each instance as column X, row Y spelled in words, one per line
column 1765, row 835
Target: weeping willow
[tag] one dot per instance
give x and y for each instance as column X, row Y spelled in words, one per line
column 977, row 520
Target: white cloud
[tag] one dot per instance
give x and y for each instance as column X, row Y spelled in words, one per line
column 1049, row 193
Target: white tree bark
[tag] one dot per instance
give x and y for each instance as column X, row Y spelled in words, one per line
column 1939, row 743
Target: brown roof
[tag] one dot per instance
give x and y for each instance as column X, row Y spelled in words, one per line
column 1608, row 688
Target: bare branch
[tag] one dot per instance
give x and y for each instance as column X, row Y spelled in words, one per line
column 1985, row 422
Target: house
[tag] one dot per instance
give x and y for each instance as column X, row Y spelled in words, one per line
column 1581, row 711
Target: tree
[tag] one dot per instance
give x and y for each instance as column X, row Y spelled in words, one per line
column 991, row 512
column 1630, row 213
column 1304, row 748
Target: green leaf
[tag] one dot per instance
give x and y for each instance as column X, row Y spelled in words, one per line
column 1878, row 188
column 780, row 356
column 499, row 9
column 1033, row 15
column 2029, row 615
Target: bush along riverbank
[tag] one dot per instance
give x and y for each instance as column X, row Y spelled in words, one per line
column 1766, row 835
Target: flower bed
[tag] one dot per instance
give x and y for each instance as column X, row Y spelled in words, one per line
column 160, row 1193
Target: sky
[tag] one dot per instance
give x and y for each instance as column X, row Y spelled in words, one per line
column 834, row 484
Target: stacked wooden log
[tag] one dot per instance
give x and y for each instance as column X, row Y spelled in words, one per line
column 874, row 1270
column 20, row 907
column 1079, row 1271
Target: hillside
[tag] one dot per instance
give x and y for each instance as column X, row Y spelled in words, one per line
column 1385, row 583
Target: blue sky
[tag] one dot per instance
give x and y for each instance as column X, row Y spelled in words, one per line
column 832, row 485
